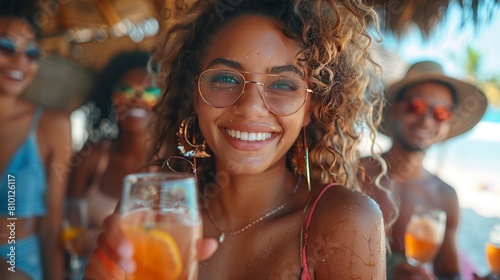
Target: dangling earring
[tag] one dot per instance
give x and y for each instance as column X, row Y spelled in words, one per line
column 300, row 158
column 189, row 148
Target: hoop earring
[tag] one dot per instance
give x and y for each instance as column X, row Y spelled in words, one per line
column 300, row 158
column 189, row 148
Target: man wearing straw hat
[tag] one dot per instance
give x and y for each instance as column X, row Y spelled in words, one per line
column 424, row 108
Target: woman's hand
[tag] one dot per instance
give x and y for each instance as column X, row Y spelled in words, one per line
column 113, row 257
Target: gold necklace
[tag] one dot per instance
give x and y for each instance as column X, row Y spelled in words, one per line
column 223, row 234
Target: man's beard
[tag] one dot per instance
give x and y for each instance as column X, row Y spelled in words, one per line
column 407, row 145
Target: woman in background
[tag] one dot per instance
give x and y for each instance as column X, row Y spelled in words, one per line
column 124, row 94
column 34, row 142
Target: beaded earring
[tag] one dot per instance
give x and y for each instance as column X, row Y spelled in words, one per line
column 189, row 148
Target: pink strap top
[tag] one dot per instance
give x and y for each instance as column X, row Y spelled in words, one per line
column 305, row 270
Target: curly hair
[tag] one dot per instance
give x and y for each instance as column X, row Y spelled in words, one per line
column 21, row 9
column 334, row 41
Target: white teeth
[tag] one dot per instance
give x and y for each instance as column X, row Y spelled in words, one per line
column 137, row 112
column 15, row 74
column 248, row 136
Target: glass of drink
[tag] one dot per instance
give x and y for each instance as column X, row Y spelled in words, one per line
column 160, row 216
column 424, row 234
column 493, row 252
column 75, row 223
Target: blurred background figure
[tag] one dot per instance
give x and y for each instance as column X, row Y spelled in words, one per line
column 34, row 139
column 119, row 110
column 424, row 108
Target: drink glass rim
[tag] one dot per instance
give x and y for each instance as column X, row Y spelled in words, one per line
column 428, row 208
column 153, row 177
column 158, row 176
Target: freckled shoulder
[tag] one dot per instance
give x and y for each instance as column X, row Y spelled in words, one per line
column 342, row 206
column 347, row 236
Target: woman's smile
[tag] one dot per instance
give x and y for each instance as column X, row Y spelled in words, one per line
column 248, row 136
column 248, row 140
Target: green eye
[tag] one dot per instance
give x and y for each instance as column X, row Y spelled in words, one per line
column 283, row 85
column 224, row 79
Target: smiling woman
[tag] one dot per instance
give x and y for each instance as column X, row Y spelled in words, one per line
column 33, row 139
column 267, row 96
column 123, row 97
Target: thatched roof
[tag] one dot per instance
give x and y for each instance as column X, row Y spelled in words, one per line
column 89, row 31
column 398, row 15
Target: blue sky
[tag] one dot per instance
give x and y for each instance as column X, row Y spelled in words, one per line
column 448, row 42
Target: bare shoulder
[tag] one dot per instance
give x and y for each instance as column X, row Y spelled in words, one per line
column 448, row 198
column 54, row 135
column 55, row 121
column 348, row 232
column 84, row 165
column 340, row 204
column 87, row 159
column 444, row 188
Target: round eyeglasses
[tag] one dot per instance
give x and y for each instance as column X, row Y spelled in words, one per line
column 282, row 95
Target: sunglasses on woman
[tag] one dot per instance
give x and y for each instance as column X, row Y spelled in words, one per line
column 9, row 48
column 127, row 93
column 420, row 107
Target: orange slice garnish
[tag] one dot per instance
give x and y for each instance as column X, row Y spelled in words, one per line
column 156, row 254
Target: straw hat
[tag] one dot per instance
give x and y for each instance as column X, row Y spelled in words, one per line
column 470, row 104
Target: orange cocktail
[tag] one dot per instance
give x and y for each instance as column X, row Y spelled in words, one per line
column 421, row 250
column 493, row 251
column 69, row 233
column 160, row 216
column 163, row 251
column 424, row 234
column 493, row 256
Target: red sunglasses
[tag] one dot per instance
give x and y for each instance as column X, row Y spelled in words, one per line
column 420, row 107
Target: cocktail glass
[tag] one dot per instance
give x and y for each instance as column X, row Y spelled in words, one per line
column 493, row 252
column 424, row 234
column 160, row 215
column 75, row 223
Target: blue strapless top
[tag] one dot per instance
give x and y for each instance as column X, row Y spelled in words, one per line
column 23, row 184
